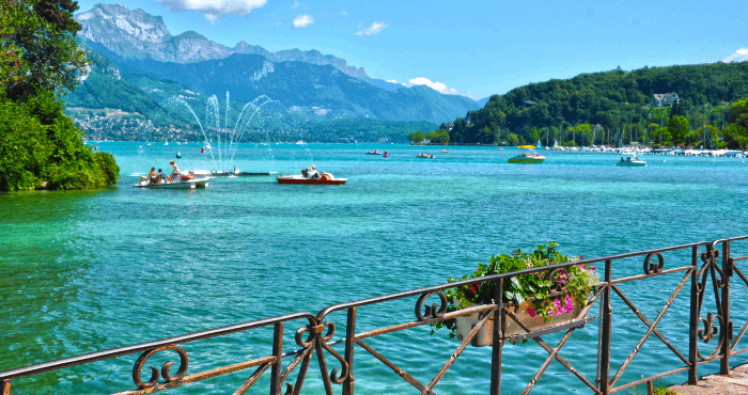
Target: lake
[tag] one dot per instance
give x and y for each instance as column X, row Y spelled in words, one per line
column 84, row 271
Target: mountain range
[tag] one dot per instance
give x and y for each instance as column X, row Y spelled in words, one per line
column 138, row 34
column 139, row 65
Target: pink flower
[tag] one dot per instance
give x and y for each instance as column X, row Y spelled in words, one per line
column 592, row 267
column 561, row 278
column 531, row 312
column 569, row 305
column 581, row 267
column 557, row 303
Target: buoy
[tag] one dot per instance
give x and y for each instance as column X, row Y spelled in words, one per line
column 385, row 154
column 202, row 150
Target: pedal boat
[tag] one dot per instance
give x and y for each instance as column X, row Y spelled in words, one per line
column 324, row 179
column 632, row 162
column 196, row 183
column 529, row 156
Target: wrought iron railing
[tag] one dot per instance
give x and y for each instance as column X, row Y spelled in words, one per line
column 710, row 264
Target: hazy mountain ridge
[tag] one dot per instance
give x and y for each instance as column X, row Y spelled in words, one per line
column 300, row 87
column 138, row 34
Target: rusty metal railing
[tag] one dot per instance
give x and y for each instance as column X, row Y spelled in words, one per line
column 316, row 339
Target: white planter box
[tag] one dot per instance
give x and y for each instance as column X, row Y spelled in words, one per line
column 484, row 337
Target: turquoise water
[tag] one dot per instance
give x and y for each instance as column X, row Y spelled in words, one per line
column 82, row 271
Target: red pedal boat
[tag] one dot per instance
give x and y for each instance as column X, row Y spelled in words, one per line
column 324, row 179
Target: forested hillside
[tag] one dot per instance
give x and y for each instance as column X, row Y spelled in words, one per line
column 614, row 105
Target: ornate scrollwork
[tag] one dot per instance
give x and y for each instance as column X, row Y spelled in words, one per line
column 558, row 279
column 138, row 367
column 433, row 311
column 709, row 254
column 710, row 329
column 314, row 330
column 653, row 268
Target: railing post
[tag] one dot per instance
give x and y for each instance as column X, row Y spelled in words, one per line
column 350, row 343
column 606, row 323
column 724, row 366
column 277, row 368
column 4, row 387
column 693, row 324
column 498, row 335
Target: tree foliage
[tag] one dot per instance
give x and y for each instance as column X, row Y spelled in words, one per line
column 37, row 48
column 417, row 137
column 617, row 105
column 39, row 146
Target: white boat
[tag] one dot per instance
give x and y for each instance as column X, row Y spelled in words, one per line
column 166, row 142
column 631, row 161
column 300, row 142
column 207, row 145
column 529, row 156
column 196, row 183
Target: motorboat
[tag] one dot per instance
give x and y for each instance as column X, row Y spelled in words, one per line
column 301, row 142
column 190, row 183
column 631, row 161
column 424, row 155
column 445, row 150
column 179, row 155
column 166, row 142
column 374, row 152
column 324, row 179
column 529, row 156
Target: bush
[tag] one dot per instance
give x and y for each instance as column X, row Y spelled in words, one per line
column 41, row 148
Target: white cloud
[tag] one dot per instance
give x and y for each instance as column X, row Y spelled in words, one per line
column 214, row 9
column 739, row 56
column 303, row 21
column 295, row 4
column 375, row 28
column 437, row 86
column 343, row 12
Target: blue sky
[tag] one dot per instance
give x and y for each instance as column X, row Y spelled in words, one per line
column 480, row 47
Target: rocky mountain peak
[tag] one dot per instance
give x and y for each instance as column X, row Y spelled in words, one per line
column 138, row 34
column 108, row 21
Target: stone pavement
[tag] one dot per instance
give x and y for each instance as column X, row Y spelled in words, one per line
column 736, row 383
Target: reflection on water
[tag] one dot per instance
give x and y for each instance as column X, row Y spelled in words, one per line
column 84, row 271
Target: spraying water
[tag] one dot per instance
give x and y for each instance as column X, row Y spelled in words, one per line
column 221, row 137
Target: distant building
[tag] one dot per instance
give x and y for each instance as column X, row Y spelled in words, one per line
column 664, row 99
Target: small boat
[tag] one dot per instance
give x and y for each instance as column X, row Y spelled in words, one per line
column 207, row 145
column 300, row 142
column 166, row 142
column 529, row 156
column 195, row 183
column 374, row 152
column 425, row 156
column 445, row 150
column 179, row 155
column 324, row 179
column 631, row 161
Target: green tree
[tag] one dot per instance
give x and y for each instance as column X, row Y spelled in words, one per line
column 39, row 52
column 417, row 137
column 739, row 113
column 513, row 139
column 679, row 129
column 439, row 136
column 40, row 147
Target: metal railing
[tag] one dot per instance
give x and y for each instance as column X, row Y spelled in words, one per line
column 316, row 338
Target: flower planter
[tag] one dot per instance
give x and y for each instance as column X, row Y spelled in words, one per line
column 484, row 337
